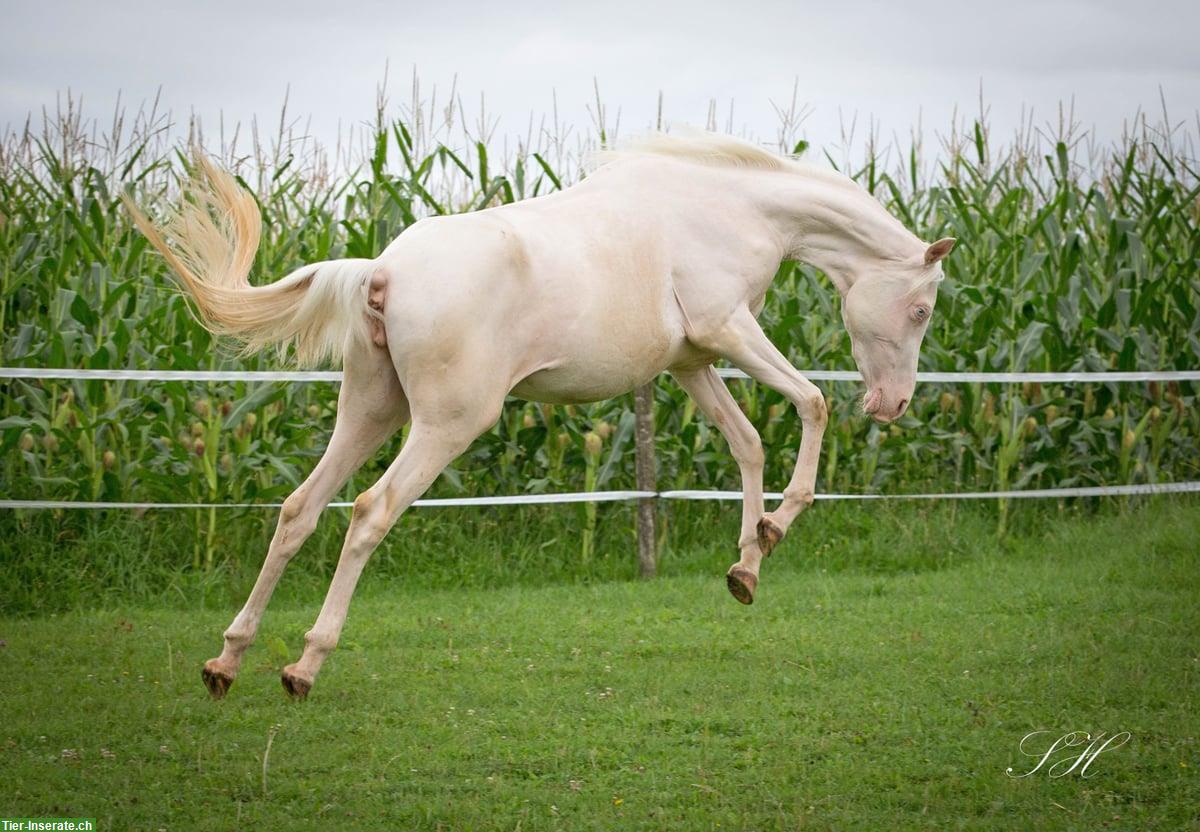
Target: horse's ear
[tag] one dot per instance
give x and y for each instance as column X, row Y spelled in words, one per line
column 938, row 250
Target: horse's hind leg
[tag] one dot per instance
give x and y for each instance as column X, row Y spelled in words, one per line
column 454, row 414
column 709, row 392
column 371, row 407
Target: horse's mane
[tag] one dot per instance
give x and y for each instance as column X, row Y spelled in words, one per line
column 696, row 146
column 717, row 150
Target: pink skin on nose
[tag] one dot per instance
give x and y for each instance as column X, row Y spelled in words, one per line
column 873, row 401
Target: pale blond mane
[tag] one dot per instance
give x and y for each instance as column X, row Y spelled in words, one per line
column 697, row 146
column 717, row 150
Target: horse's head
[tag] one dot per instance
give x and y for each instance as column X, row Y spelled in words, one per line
column 886, row 313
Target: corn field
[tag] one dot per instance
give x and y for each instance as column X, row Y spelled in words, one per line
column 1071, row 256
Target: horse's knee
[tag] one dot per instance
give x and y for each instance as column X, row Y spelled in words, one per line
column 369, row 519
column 813, row 409
column 292, row 507
column 296, row 520
column 751, row 451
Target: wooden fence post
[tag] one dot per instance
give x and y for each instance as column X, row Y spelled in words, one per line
column 643, row 409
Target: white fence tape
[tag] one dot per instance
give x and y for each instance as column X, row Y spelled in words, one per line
column 443, row 502
column 616, row 496
column 1028, row 494
column 1000, row 378
column 724, row 372
column 612, row 496
column 169, row 375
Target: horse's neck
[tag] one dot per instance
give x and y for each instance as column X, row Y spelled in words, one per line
column 834, row 225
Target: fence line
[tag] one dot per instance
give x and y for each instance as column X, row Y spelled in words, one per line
column 619, row 496
column 999, row 378
column 616, row 496
column 724, row 372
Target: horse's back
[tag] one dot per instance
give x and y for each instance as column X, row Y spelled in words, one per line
column 572, row 294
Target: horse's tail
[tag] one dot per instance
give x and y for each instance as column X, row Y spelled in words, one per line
column 213, row 235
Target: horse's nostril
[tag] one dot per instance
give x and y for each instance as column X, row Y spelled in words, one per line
column 900, row 409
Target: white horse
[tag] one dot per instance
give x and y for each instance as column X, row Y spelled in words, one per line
column 659, row 260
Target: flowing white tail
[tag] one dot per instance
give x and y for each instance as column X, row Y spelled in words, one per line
column 210, row 239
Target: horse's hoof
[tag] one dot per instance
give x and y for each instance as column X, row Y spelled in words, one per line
column 297, row 687
column 769, row 535
column 215, row 679
column 742, row 583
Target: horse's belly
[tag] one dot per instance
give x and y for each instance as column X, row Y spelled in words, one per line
column 607, row 371
column 554, row 387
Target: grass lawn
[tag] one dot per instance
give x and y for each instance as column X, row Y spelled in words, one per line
column 840, row 700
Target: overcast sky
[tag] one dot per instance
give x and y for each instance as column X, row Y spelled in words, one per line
column 890, row 60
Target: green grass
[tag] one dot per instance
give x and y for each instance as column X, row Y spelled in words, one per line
column 62, row 561
column 845, row 698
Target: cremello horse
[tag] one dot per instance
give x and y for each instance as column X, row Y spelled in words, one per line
column 659, row 260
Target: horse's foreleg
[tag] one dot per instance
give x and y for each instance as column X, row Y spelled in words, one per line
column 717, row 404
column 371, row 407
column 432, row 444
column 742, row 342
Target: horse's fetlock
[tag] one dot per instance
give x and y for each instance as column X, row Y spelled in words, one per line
column 238, row 638
column 319, row 642
column 803, row 496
